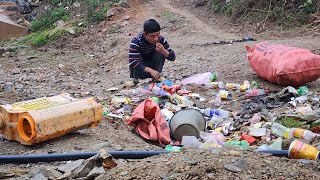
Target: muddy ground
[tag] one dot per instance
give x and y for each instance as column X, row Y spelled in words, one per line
column 89, row 64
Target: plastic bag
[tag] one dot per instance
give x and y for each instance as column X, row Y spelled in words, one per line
column 149, row 123
column 198, row 79
column 284, row 65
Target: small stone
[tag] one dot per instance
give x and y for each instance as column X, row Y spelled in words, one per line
column 70, row 166
column 305, row 161
column 211, row 176
column 124, row 3
column 117, row 147
column 31, row 57
column 39, row 176
column 71, row 30
column 61, row 66
column 232, row 168
column 126, row 17
column 96, row 171
column 19, row 86
column 193, row 163
column 112, row 12
column 15, row 71
column 51, row 173
column 124, row 173
column 76, row 4
column 99, row 146
column 60, row 23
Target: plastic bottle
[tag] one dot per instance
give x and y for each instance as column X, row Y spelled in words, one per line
column 256, row 92
column 303, row 90
column 281, row 131
column 303, row 134
column 219, row 112
column 213, row 76
column 254, row 85
column 159, row 92
column 258, row 132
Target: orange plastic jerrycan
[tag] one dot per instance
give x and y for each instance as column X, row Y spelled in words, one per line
column 34, row 121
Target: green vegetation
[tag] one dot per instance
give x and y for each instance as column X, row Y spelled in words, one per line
column 44, row 30
column 41, row 38
column 169, row 16
column 114, row 29
column 290, row 122
column 48, row 20
column 98, row 9
column 281, row 12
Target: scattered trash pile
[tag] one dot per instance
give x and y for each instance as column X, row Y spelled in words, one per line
column 282, row 123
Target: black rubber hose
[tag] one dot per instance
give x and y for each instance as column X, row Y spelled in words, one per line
column 279, row 153
column 23, row 159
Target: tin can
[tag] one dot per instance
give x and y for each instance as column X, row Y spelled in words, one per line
column 300, row 150
column 232, row 86
column 225, row 94
column 245, row 86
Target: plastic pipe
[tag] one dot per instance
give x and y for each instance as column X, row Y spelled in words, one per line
column 74, row 156
column 279, row 153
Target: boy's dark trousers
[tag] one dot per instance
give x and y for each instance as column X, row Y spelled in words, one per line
column 156, row 62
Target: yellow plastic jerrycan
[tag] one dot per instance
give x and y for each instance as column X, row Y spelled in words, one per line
column 34, row 121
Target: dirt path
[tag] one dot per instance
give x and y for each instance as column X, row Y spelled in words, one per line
column 197, row 25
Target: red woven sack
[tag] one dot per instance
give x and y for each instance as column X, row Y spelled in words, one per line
column 149, row 123
column 284, row 65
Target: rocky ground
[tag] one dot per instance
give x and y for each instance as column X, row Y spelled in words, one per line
column 89, row 64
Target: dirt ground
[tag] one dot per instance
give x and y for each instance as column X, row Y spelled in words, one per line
column 89, row 64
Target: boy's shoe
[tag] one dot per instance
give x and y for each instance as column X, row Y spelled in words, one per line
column 132, row 82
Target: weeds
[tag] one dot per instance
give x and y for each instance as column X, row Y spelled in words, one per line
column 290, row 122
column 98, row 9
column 283, row 12
column 47, row 21
column 169, row 16
column 41, row 38
column 114, row 29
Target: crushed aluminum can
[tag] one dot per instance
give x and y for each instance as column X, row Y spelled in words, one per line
column 225, row 95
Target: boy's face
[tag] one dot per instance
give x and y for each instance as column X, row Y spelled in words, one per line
column 152, row 38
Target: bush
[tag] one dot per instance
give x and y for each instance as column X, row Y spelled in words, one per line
column 47, row 21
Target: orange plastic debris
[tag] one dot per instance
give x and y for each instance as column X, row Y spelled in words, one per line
column 34, row 121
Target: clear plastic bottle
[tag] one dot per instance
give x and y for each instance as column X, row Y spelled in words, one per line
column 219, row 112
column 281, row 131
column 159, row 92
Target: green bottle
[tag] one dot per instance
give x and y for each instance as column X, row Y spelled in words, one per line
column 254, row 85
column 303, row 90
column 213, row 76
